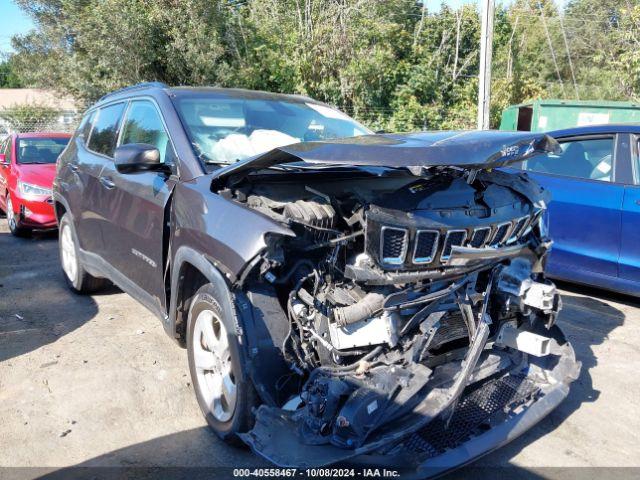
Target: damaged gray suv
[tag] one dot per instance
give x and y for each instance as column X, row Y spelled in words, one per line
column 344, row 297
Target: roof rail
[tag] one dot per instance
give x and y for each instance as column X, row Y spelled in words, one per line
column 135, row 87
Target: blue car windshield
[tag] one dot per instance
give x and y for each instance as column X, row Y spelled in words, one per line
column 227, row 130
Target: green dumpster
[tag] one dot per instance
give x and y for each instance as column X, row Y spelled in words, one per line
column 546, row 115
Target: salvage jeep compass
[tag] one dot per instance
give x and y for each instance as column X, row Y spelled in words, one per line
column 344, row 297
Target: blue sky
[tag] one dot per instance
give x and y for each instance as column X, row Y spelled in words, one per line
column 13, row 21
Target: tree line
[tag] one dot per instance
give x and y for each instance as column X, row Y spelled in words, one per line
column 393, row 64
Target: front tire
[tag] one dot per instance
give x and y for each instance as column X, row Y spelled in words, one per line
column 13, row 221
column 225, row 395
column 77, row 278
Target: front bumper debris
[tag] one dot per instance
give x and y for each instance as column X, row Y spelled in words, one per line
column 507, row 393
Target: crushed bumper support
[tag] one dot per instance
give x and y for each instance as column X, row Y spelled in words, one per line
column 505, row 397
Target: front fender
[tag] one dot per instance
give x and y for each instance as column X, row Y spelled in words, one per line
column 255, row 317
column 229, row 233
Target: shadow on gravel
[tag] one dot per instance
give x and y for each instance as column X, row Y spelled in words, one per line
column 36, row 307
column 587, row 321
column 195, row 453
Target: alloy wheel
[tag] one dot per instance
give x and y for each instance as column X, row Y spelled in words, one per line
column 11, row 216
column 68, row 254
column 212, row 359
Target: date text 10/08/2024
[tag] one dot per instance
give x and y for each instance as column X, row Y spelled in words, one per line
column 316, row 472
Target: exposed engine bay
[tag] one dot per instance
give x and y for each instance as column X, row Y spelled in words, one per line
column 397, row 292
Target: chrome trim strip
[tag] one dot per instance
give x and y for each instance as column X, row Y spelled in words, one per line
column 462, row 256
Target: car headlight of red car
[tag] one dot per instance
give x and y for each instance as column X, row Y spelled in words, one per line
column 28, row 189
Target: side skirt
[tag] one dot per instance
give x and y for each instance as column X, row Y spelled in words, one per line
column 98, row 267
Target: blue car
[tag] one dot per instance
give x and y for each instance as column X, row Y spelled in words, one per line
column 594, row 215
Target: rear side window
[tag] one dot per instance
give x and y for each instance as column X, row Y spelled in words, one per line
column 144, row 125
column 590, row 159
column 85, row 126
column 105, row 129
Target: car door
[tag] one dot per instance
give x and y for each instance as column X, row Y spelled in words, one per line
column 97, row 152
column 4, row 172
column 585, row 211
column 137, row 204
column 71, row 175
column 10, row 168
column 629, row 268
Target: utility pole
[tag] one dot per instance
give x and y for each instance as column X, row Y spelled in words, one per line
column 486, row 50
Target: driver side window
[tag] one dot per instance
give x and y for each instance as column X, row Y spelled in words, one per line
column 144, row 125
column 591, row 159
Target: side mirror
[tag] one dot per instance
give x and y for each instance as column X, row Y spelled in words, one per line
column 3, row 159
column 138, row 157
column 378, row 132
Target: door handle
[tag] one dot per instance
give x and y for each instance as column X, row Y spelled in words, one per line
column 73, row 167
column 107, row 183
column 637, row 202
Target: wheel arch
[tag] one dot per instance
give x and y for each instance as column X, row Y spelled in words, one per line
column 255, row 317
column 190, row 270
column 59, row 210
column 60, row 207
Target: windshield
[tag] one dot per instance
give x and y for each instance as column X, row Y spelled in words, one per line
column 40, row 150
column 226, row 130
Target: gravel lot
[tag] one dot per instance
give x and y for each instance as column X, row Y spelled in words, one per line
column 94, row 381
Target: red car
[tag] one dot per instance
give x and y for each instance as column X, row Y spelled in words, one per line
column 27, row 169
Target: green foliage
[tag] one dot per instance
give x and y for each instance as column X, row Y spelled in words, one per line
column 393, row 64
column 25, row 117
column 8, row 77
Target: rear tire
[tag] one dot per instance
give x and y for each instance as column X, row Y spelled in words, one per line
column 77, row 278
column 225, row 395
column 13, row 221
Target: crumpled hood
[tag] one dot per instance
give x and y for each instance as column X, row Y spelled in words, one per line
column 473, row 149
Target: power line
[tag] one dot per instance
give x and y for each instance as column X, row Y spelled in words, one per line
column 566, row 45
column 553, row 53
